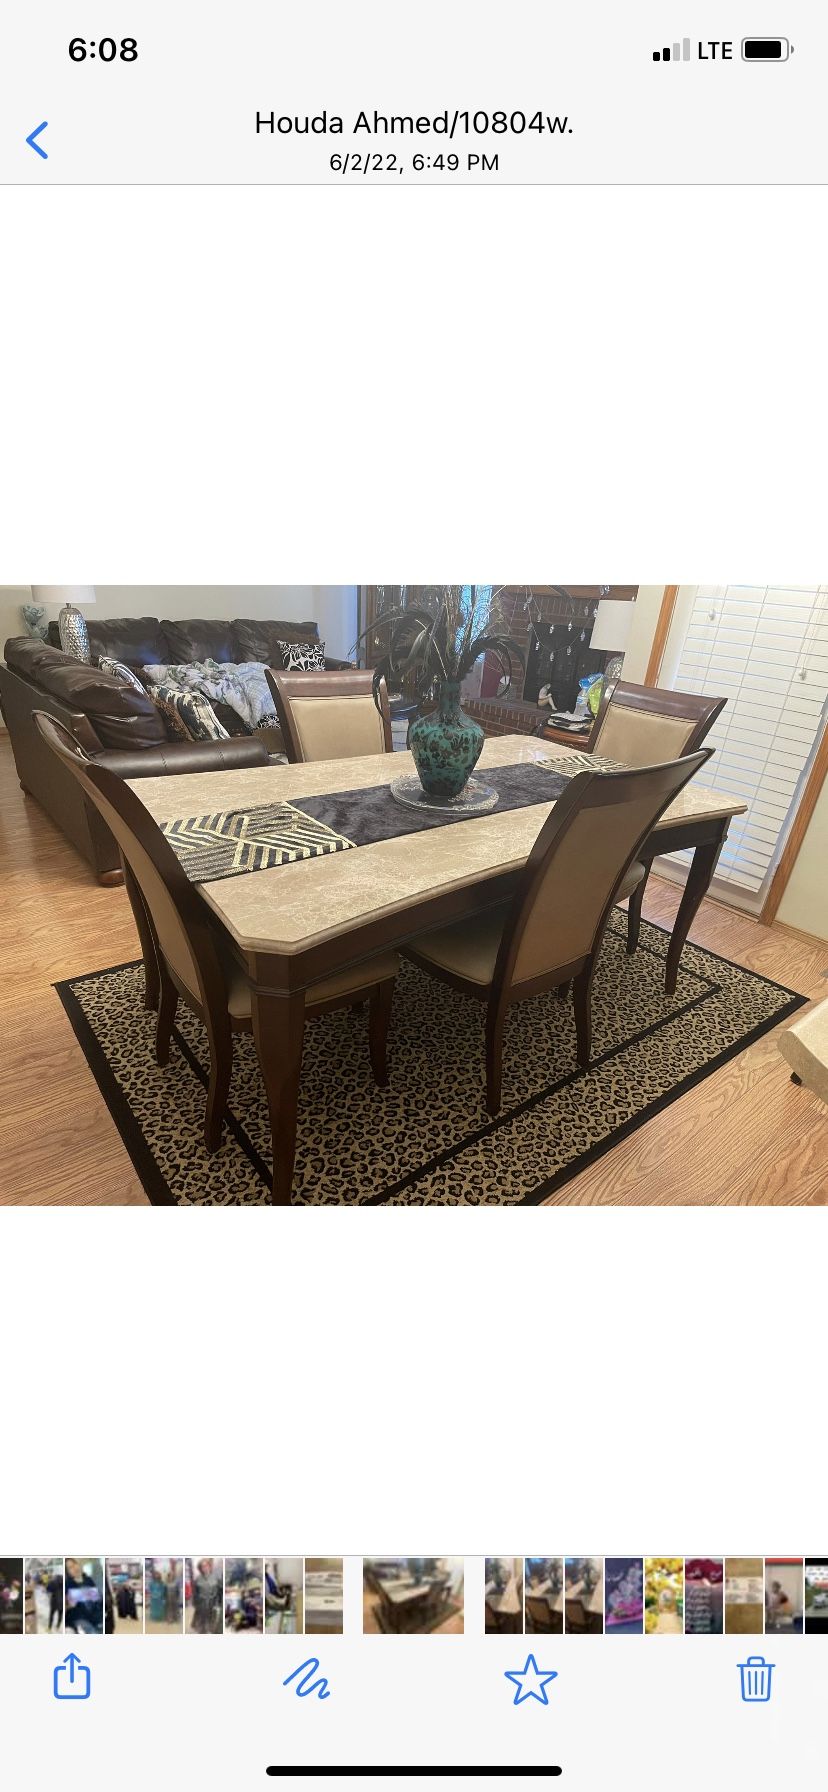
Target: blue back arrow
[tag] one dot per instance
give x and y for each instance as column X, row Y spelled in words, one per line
column 36, row 146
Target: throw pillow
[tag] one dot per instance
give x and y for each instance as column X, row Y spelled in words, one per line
column 119, row 670
column 187, row 714
column 303, row 656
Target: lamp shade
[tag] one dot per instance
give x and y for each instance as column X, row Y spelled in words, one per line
column 612, row 625
column 63, row 594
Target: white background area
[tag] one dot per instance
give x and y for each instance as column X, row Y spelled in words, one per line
column 206, row 387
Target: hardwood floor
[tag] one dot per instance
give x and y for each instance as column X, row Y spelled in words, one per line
column 746, row 1136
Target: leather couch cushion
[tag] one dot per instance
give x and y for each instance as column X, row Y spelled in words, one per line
column 26, row 655
column 122, row 716
column 137, row 640
column 196, row 639
column 258, row 640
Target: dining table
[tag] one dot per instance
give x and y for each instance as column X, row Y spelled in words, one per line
column 361, row 874
column 403, row 1600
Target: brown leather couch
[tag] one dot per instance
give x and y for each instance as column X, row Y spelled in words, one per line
column 120, row 724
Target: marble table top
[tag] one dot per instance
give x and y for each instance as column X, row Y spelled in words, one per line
column 292, row 908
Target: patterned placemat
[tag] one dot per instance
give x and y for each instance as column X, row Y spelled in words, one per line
column 230, row 842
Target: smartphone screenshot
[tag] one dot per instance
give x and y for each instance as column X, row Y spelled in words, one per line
column 414, row 892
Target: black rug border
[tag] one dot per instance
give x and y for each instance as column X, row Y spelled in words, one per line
column 160, row 1194
column 153, row 1181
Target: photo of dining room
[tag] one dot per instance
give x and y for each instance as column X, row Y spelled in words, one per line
column 624, row 1596
column 124, row 1615
column 203, row 1595
column 543, row 1598
column 664, row 1596
column 44, row 1595
column 164, row 1594
column 784, row 1596
column 412, row 1595
column 283, row 1595
column 275, row 742
column 323, row 1595
column 504, row 1594
column 584, row 1596
column 243, row 1596
column 11, row 1595
column 744, row 1595
column 703, row 1596
column 84, row 1595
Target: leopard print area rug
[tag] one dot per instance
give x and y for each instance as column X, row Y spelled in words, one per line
column 427, row 1139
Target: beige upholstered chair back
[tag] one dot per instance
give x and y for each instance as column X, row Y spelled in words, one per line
column 169, row 928
column 170, row 931
column 605, row 820
column 330, row 715
column 642, row 736
column 640, row 725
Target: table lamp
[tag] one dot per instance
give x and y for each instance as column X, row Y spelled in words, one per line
column 74, row 637
column 610, row 634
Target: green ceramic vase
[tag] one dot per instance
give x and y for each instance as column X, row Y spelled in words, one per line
column 446, row 746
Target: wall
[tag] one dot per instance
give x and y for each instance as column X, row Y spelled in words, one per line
column 333, row 606
column 805, row 902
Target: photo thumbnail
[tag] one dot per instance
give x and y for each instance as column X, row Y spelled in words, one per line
column 413, row 1595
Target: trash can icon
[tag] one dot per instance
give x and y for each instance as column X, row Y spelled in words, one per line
column 756, row 1675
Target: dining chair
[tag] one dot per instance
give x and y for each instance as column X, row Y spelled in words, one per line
column 576, row 1618
column 192, row 962
column 584, row 860
column 331, row 715
column 163, row 760
column 638, row 724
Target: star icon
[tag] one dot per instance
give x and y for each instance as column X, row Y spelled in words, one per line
column 531, row 1682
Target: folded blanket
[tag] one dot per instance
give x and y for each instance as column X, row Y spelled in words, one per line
column 243, row 688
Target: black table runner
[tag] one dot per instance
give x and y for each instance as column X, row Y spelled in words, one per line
column 233, row 842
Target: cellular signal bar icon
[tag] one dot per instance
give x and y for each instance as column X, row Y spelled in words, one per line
column 678, row 53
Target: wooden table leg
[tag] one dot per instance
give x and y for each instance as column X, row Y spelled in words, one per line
column 278, row 1030
column 705, row 860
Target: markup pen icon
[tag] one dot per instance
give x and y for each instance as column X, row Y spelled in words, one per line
column 71, row 1680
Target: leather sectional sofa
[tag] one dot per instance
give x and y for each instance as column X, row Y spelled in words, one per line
column 120, row 724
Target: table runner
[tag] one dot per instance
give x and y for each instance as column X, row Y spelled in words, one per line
column 235, row 841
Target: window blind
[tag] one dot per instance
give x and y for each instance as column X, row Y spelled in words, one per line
column 764, row 648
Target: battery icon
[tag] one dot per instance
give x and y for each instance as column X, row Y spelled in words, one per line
column 765, row 49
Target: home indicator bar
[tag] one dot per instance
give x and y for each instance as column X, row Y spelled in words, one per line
column 414, row 1773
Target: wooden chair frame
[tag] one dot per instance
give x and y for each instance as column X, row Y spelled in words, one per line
column 589, row 790
column 285, row 686
column 211, row 1005
column 654, row 700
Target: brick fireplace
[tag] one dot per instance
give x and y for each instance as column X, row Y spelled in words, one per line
column 553, row 631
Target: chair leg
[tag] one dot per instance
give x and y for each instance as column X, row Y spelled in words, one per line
column 218, row 1087
column 582, row 999
column 634, row 911
column 495, row 1022
column 796, row 1079
column 379, row 1020
column 563, row 990
column 167, row 1006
